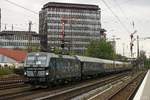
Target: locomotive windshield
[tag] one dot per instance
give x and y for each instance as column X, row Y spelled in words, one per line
column 38, row 60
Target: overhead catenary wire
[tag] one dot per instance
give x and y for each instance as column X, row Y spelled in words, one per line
column 131, row 21
column 114, row 14
column 15, row 4
column 127, row 1
column 102, row 1
column 121, row 9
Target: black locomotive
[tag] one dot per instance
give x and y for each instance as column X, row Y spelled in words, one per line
column 43, row 68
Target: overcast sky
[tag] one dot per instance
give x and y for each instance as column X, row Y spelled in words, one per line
column 128, row 11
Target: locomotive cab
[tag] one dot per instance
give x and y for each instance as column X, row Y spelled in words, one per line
column 36, row 68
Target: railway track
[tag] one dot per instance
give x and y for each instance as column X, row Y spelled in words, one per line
column 10, row 77
column 19, row 83
column 42, row 93
column 73, row 92
column 62, row 92
column 124, row 90
column 128, row 91
column 12, row 82
column 14, row 93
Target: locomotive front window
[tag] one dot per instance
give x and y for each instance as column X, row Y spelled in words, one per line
column 41, row 59
column 38, row 60
column 30, row 59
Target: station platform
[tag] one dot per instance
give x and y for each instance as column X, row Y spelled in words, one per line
column 143, row 92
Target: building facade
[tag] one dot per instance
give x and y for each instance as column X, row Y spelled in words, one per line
column 75, row 25
column 19, row 40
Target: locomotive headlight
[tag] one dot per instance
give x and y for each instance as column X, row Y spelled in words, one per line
column 25, row 73
column 47, row 73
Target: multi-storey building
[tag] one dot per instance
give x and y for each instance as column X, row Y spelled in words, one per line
column 19, row 39
column 75, row 24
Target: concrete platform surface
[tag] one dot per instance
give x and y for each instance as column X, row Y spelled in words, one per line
column 143, row 92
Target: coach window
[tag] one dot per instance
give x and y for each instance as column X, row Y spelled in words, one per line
column 59, row 63
column 76, row 64
column 65, row 64
column 52, row 62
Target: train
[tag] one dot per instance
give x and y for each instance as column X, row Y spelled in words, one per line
column 45, row 69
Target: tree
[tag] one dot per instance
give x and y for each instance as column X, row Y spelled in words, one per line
column 100, row 49
column 147, row 63
column 35, row 48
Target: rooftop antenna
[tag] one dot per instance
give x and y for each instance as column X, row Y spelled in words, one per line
column 30, row 25
column 5, row 27
column 12, row 27
column 29, row 37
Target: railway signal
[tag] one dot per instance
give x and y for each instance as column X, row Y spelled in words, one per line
column 132, row 42
column 64, row 20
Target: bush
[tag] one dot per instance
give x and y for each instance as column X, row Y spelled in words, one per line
column 100, row 49
column 6, row 71
column 19, row 71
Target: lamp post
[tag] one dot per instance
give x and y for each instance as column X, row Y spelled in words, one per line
column 114, row 47
column 114, row 40
column 138, row 49
column 138, row 46
column 139, row 39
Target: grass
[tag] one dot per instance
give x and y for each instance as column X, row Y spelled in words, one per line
column 6, row 71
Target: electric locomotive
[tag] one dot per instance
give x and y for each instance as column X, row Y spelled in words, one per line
column 43, row 68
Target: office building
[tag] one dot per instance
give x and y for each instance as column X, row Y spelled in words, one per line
column 19, row 39
column 75, row 25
